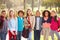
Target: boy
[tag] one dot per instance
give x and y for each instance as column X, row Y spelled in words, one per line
column 20, row 24
column 3, row 25
column 37, row 28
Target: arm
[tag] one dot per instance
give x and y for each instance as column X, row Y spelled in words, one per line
column 33, row 22
column 16, row 25
column 5, row 26
column 26, row 24
column 9, row 26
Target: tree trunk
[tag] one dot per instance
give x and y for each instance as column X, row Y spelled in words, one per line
column 58, row 9
column 32, row 4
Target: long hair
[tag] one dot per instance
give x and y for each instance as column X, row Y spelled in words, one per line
column 9, row 16
column 55, row 17
column 43, row 14
column 27, row 12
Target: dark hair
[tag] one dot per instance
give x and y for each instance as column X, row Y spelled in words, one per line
column 27, row 12
column 3, row 11
column 43, row 14
column 55, row 18
column 21, row 12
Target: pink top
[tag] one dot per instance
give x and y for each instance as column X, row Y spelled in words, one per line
column 54, row 25
column 46, row 25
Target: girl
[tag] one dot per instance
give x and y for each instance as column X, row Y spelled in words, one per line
column 12, row 25
column 54, row 25
column 31, row 22
column 46, row 23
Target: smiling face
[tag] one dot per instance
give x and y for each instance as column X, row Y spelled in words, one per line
column 29, row 12
column 3, row 13
column 46, row 14
column 53, row 13
column 37, row 13
column 11, row 13
column 21, row 14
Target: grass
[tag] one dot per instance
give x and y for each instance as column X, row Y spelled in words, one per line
column 42, row 37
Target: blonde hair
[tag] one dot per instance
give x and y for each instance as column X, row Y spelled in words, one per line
column 14, row 15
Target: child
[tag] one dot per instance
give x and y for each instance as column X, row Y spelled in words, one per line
column 12, row 25
column 38, row 26
column 31, row 21
column 54, row 25
column 46, row 20
column 20, row 24
column 3, row 25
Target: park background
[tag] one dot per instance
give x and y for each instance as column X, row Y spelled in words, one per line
column 34, row 5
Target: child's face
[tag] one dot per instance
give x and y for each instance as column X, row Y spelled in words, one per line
column 29, row 12
column 53, row 14
column 21, row 14
column 3, row 14
column 37, row 13
column 11, row 13
column 46, row 14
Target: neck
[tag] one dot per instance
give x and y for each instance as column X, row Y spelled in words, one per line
column 20, row 16
column 37, row 16
column 46, row 17
column 11, row 17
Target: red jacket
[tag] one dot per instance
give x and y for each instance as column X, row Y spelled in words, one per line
column 54, row 25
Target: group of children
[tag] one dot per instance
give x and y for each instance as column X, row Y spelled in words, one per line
column 19, row 26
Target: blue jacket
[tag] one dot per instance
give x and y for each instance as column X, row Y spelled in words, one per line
column 12, row 24
column 20, row 24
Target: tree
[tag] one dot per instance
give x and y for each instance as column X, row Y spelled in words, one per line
column 51, row 3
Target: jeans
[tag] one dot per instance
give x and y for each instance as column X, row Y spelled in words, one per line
column 30, row 35
column 19, row 35
column 3, row 36
column 37, row 34
column 52, row 34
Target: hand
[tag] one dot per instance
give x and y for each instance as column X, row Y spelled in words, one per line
column 59, row 29
column 46, row 24
column 12, row 32
column 32, row 28
column 15, row 33
column 28, row 24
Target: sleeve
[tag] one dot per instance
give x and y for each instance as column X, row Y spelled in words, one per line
column 33, row 22
column 9, row 26
column 41, row 21
column 59, row 22
column 16, row 25
column 25, row 22
column 5, row 27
